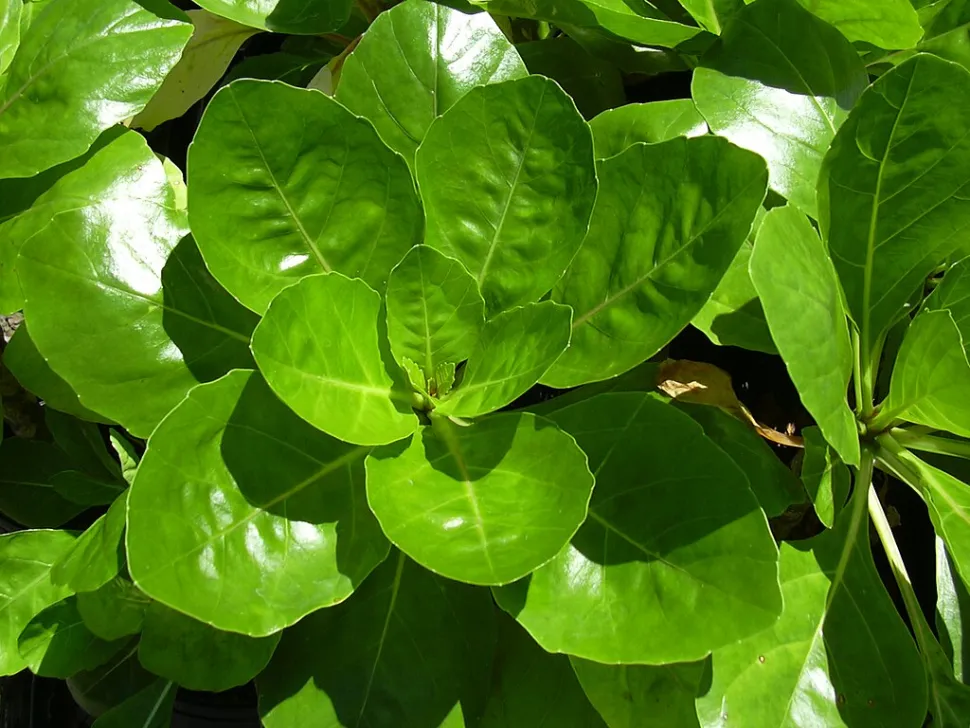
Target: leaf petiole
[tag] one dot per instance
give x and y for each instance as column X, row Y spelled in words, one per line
column 930, row 443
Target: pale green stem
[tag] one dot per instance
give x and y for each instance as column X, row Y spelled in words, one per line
column 857, row 372
column 929, row 443
column 890, row 454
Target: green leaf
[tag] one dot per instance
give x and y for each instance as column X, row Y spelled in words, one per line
column 593, row 83
column 839, row 655
column 641, row 22
column 508, row 182
column 198, row 657
column 10, row 11
column 82, row 66
column 98, row 554
column 668, row 221
column 100, row 690
column 307, row 17
column 887, row 222
column 486, row 503
column 115, row 610
column 530, row 687
column 827, row 479
column 408, row 650
column 25, row 586
column 616, row 130
column 205, row 59
column 435, row 313
column 83, row 443
column 642, row 696
column 293, row 68
column 27, row 493
column 415, row 61
column 127, row 455
column 286, row 182
column 322, row 347
column 674, row 559
column 952, row 612
column 84, row 489
column 712, row 14
column 780, row 82
column 946, row 30
column 884, row 23
column 953, row 295
column 734, row 316
column 931, row 377
column 773, row 484
column 150, row 707
column 237, row 496
column 56, row 643
column 799, row 290
column 515, row 349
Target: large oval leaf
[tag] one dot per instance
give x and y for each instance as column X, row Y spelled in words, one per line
column 323, row 349
column 27, row 493
column 894, row 190
column 780, row 82
column 98, row 555
column 415, row 61
column 675, row 557
column 884, row 23
column 952, row 294
column 508, row 182
column 435, row 313
column 409, row 650
column 515, row 349
column 237, row 497
column 309, row 17
column 669, row 219
column 25, row 586
column 285, row 182
column 617, row 130
column 487, row 503
column 82, row 66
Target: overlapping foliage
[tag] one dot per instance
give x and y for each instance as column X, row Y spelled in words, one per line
column 289, row 430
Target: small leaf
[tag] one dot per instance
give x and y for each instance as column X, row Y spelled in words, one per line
column 617, row 130
column 56, row 643
column 198, row 657
column 114, row 610
column 415, row 61
column 264, row 505
column 97, row 556
column 508, row 183
column 322, row 347
column 285, row 183
column 443, row 498
column 673, row 530
column 27, row 492
column 435, row 313
column 408, row 649
column 668, row 221
column 515, row 349
column 884, row 23
column 444, row 378
column 799, row 290
column 826, row 477
column 127, row 455
column 308, row 17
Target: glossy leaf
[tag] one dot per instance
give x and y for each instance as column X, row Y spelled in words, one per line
column 931, row 378
column 27, row 493
column 309, row 17
column 669, row 219
column 198, row 657
column 408, row 650
column 205, row 59
column 885, row 23
column 25, row 586
column 484, row 504
column 799, row 290
column 435, row 313
column 734, row 316
column 641, row 23
column 237, row 496
column 415, row 61
column 953, row 295
column 945, row 26
column 150, row 707
column 515, row 349
column 286, row 182
column 839, row 655
column 114, row 610
column 886, row 222
column 508, row 183
column 642, row 696
column 57, row 644
column 617, row 130
column 674, row 560
column 322, row 347
column 10, row 11
column 826, row 477
column 773, row 484
column 82, row 66
column 530, row 687
column 952, row 612
column 97, row 555
column 780, row 83
column 712, row 15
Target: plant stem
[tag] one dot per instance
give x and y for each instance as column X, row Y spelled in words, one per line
column 891, row 455
column 929, row 443
column 857, row 372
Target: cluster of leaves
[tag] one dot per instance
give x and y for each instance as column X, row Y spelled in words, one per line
column 289, row 385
